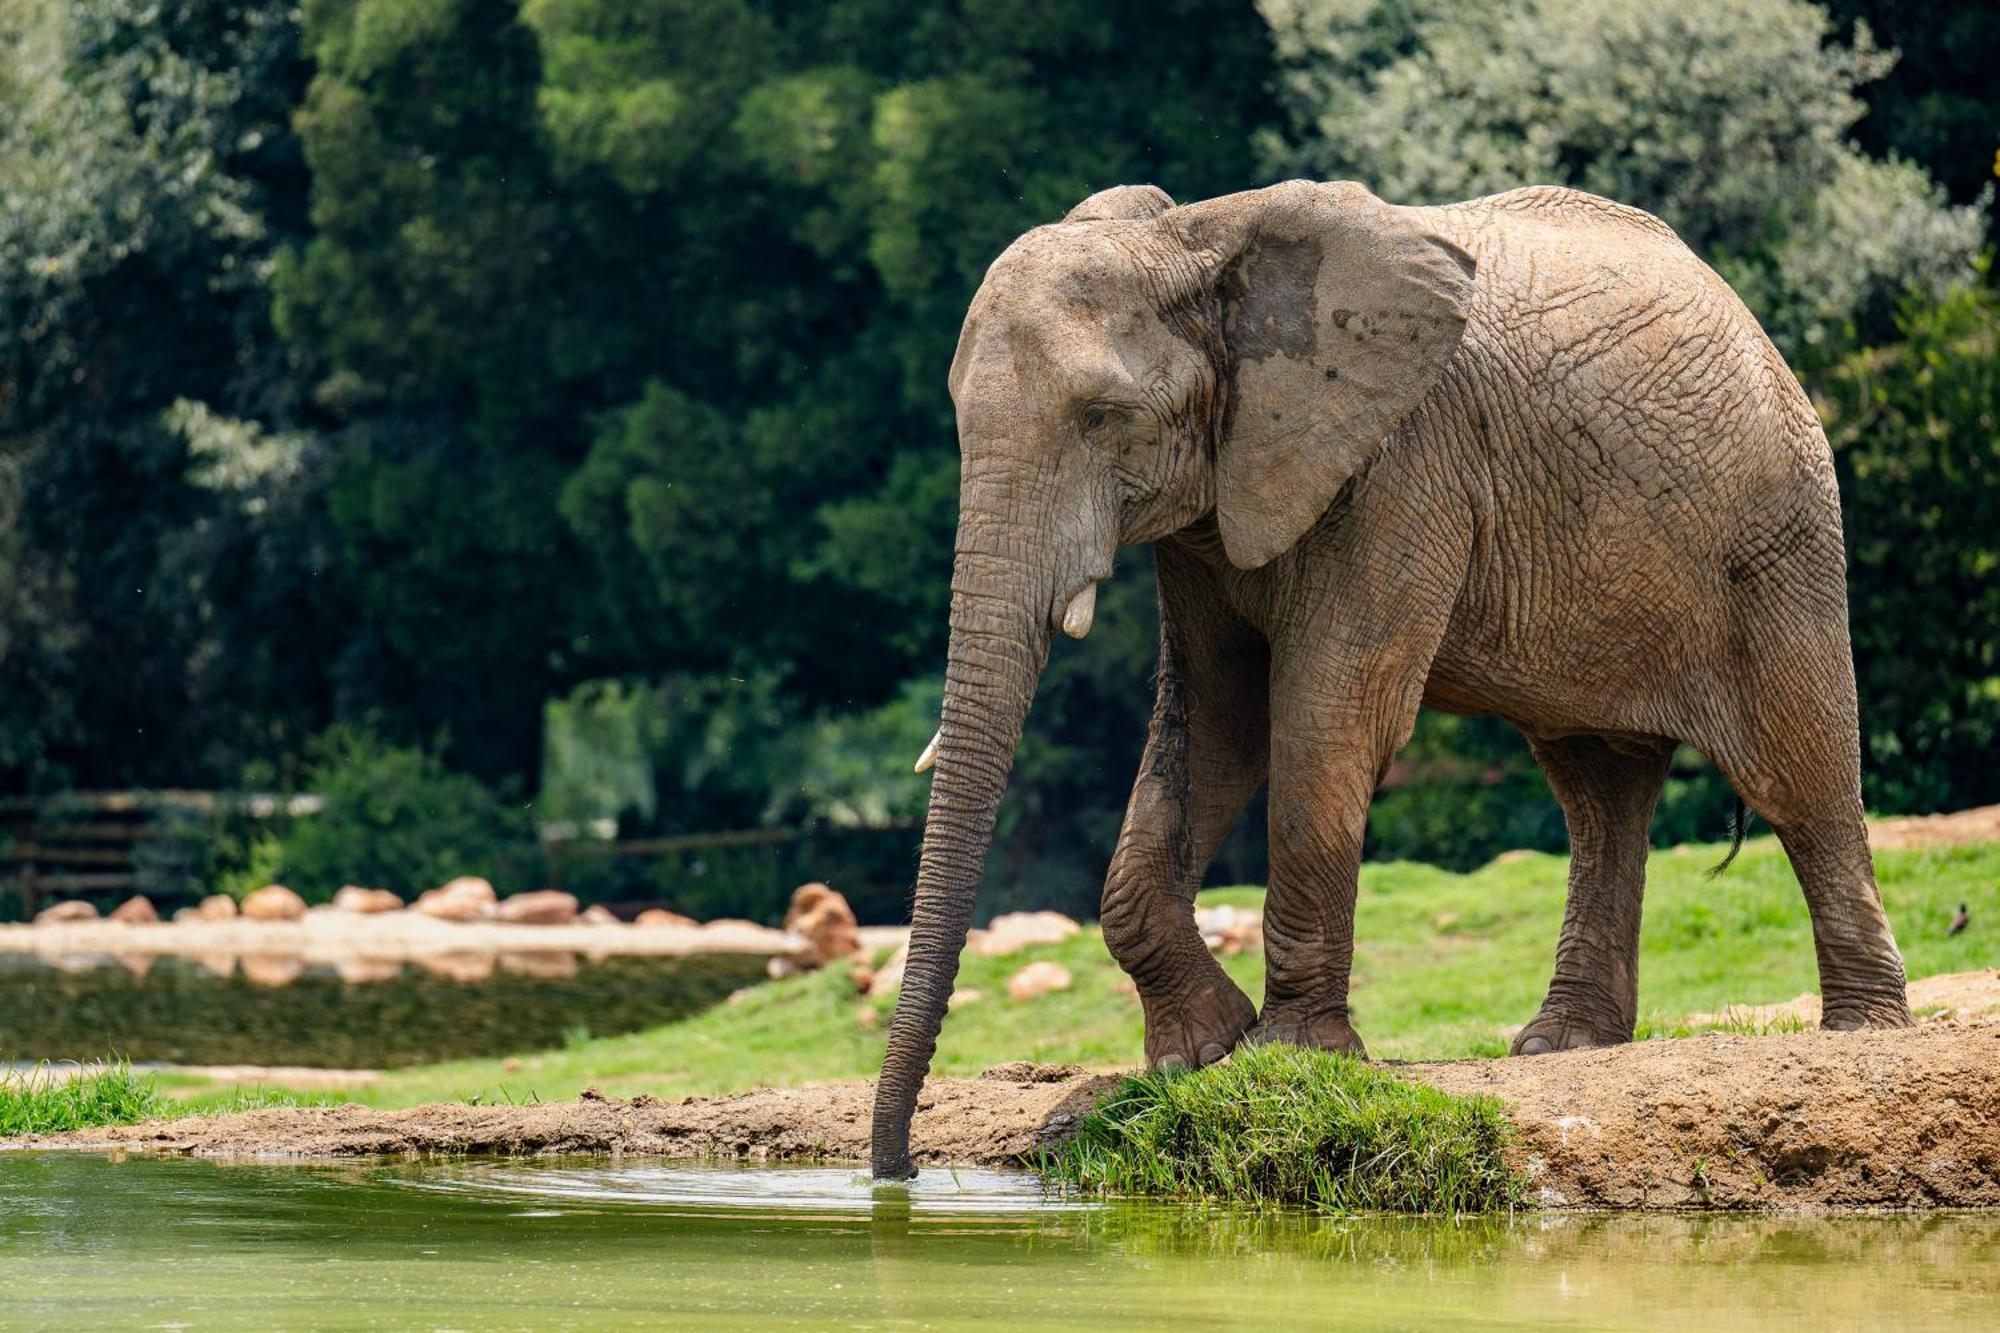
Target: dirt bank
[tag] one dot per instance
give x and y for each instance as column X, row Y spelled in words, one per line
column 1903, row 1119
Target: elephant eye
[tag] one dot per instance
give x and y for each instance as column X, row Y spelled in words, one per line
column 1097, row 417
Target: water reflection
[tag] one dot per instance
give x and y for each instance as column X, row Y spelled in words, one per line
column 591, row 1243
column 360, row 1014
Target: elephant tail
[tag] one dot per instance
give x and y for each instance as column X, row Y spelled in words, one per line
column 1739, row 820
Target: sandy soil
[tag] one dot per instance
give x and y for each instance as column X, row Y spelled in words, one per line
column 1948, row 998
column 1900, row 1120
column 1917, row 832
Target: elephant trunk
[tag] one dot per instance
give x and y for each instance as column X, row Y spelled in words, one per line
column 1000, row 633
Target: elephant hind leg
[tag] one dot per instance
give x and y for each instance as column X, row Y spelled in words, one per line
column 1793, row 756
column 1607, row 794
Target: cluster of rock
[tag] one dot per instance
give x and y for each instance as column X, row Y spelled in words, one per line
column 465, row 899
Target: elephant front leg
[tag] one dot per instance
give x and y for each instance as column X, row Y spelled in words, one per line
column 1204, row 760
column 1319, row 813
column 1607, row 796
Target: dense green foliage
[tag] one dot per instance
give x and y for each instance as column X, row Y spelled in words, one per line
column 1284, row 1125
column 554, row 388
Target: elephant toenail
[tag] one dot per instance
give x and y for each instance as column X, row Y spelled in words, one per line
column 1536, row 1046
column 1212, row 1052
column 1171, row 1064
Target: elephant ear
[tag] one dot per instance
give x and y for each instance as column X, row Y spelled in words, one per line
column 1339, row 313
column 1122, row 203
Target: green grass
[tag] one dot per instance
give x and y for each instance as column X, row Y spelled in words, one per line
column 1282, row 1125
column 39, row 1101
column 1445, row 965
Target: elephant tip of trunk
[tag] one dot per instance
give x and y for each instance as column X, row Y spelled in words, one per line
column 900, row 1168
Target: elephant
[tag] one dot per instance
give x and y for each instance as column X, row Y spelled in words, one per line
column 1524, row 456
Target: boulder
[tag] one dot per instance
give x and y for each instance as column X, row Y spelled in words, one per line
column 1037, row 979
column 823, row 918
column 461, row 900
column 660, row 916
column 217, row 907
column 1230, row 930
column 137, row 910
column 471, row 886
column 542, row 907
column 889, row 977
column 273, row 902
column 366, row 902
column 1011, row 932
column 64, row 913
column 597, row 914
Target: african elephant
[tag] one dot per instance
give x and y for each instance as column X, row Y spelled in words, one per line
column 1525, row 455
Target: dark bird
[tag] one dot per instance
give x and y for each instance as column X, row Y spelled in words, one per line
column 1959, row 922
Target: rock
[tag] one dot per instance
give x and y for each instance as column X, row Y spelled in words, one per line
column 65, row 913
column 1037, row 979
column 471, row 886
column 183, row 915
column 1011, row 932
column 826, row 922
column 273, row 902
column 137, row 910
column 366, row 902
column 597, row 914
column 863, row 977
column 963, row 996
column 271, row 971
column 659, row 916
column 461, row 900
column 511, row 1065
column 217, row 907
column 1230, row 930
column 888, row 978
column 543, row 907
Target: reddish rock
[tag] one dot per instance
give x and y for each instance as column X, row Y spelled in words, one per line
column 823, row 917
column 1037, row 979
column 659, row 916
column 1013, row 931
column 216, row 907
column 273, row 902
column 597, row 914
column 464, row 899
column 135, row 911
column 66, row 913
column 366, row 902
column 471, row 886
column 543, row 907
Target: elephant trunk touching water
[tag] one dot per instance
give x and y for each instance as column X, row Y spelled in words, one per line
column 1522, row 456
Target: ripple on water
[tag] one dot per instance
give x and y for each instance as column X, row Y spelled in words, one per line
column 771, row 1191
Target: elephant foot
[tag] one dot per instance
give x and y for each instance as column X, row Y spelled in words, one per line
column 1857, row 1013
column 1198, row 1030
column 1327, row 1031
column 1558, row 1030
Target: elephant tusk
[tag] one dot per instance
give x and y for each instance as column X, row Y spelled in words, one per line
column 1082, row 611
column 929, row 756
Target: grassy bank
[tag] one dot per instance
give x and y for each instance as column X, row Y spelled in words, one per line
column 1446, row 965
column 1280, row 1125
column 44, row 1101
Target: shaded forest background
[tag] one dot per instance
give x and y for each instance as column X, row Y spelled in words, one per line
column 502, row 415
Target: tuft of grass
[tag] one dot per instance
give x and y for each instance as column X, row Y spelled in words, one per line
column 1279, row 1124
column 39, row 1101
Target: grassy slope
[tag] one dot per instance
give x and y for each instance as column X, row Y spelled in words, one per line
column 1445, row 963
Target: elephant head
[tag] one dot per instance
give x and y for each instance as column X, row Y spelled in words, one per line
column 1120, row 375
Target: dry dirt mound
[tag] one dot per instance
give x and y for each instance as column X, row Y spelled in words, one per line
column 1865, row 1119
column 1917, row 832
column 1949, row 997
column 996, row 1119
column 1895, row 1119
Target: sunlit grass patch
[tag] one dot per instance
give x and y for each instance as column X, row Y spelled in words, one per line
column 44, row 1100
column 1284, row 1125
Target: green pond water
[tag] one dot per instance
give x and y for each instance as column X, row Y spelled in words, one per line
column 87, row 1242
column 228, row 1011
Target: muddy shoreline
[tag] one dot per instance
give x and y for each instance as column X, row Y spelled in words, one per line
column 1807, row 1120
